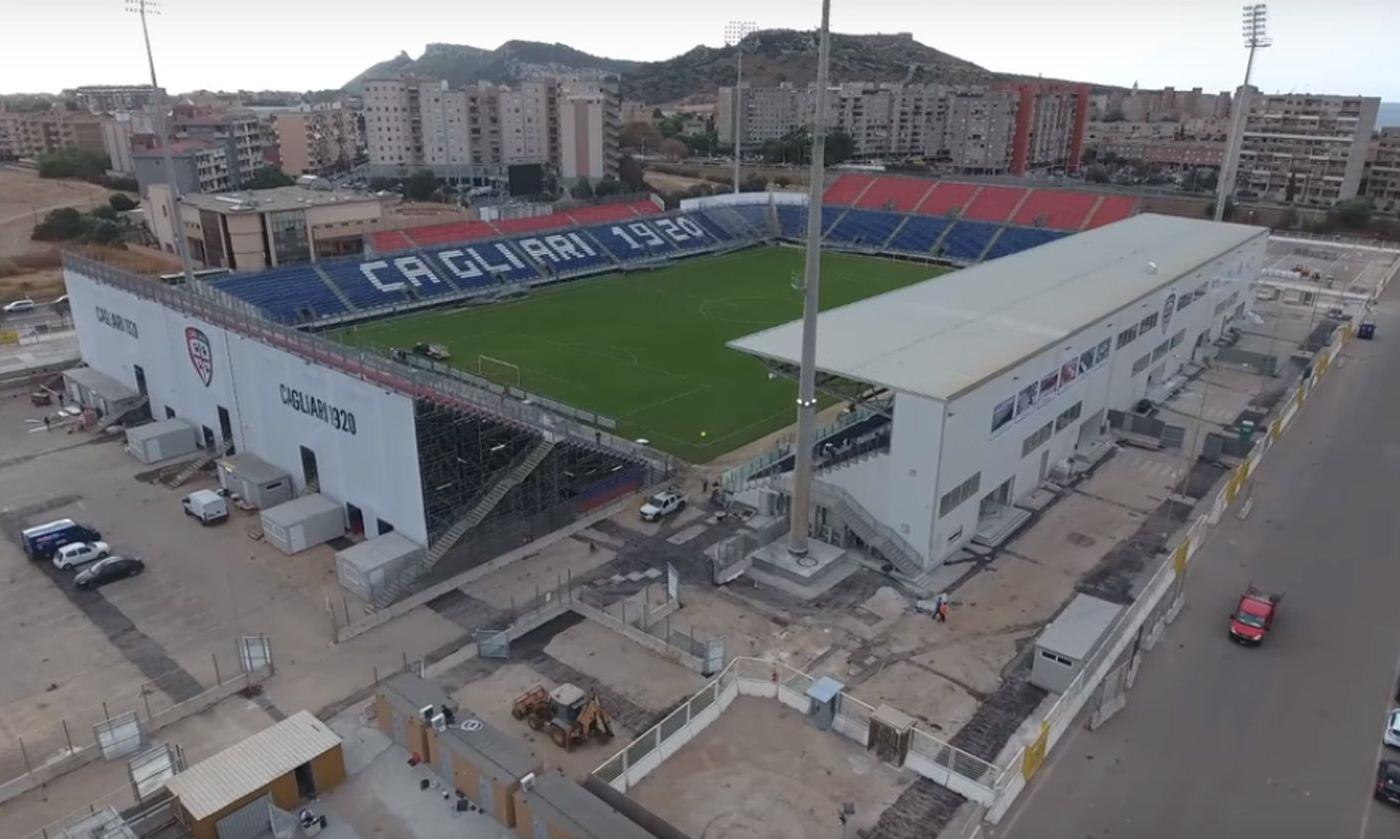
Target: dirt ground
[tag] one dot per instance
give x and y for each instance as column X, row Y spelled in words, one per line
column 762, row 770
column 25, row 198
column 667, row 182
column 44, row 284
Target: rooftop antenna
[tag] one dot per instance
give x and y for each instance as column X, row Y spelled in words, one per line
column 152, row 7
column 807, row 376
column 1255, row 23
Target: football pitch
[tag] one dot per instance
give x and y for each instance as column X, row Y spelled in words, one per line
column 648, row 348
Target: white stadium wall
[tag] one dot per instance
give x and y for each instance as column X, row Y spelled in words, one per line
column 363, row 437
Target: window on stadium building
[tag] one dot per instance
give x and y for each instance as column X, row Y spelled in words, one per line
column 958, row 494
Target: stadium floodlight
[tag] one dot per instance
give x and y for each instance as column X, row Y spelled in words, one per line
column 807, row 374
column 1255, row 29
column 735, row 31
column 182, row 247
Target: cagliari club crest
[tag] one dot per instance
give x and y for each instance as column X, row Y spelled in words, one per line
column 201, row 354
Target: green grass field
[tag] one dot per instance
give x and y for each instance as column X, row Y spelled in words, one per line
column 648, row 349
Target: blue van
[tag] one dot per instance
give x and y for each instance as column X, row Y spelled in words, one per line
column 43, row 545
column 29, row 534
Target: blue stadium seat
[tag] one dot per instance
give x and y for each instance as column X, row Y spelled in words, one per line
column 864, row 228
column 355, row 284
column 1016, row 239
column 757, row 217
column 288, row 295
column 793, row 220
column 918, row 234
column 830, row 215
column 968, row 239
column 636, row 240
column 714, row 228
column 498, row 261
column 686, row 232
column 563, row 253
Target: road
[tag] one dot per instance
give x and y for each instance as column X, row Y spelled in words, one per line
column 1280, row 741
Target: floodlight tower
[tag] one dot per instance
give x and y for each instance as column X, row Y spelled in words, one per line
column 1256, row 37
column 734, row 34
column 807, row 376
column 143, row 8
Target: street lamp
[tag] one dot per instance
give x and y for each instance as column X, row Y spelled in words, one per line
column 143, row 8
column 1256, row 36
column 734, row 34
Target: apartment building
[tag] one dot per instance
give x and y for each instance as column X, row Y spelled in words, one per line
column 30, row 135
column 413, row 122
column 313, row 140
column 1305, row 148
column 1167, row 104
column 1381, row 180
column 589, row 125
column 972, row 128
column 124, row 132
column 239, row 132
column 101, row 98
column 200, row 166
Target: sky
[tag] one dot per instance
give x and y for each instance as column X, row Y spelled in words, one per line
column 1343, row 46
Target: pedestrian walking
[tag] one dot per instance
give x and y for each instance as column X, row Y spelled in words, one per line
column 940, row 607
column 943, row 612
column 46, row 423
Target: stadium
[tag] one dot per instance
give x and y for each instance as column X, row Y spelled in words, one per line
column 502, row 379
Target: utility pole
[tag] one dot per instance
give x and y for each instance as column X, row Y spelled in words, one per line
column 182, row 247
column 1256, row 37
column 807, row 376
column 734, row 34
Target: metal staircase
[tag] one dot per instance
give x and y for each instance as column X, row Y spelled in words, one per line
column 881, row 537
column 197, row 464
column 478, row 513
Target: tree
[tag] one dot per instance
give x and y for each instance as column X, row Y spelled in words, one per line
column 639, row 135
column 103, row 233
column 608, row 186
column 583, row 190
column 382, row 184
column 420, row 186
column 72, row 162
column 105, row 212
column 1209, row 210
column 1096, row 173
column 121, row 203
column 839, row 147
column 60, row 226
column 629, row 171
column 1354, row 214
column 267, row 178
column 781, row 180
column 673, row 149
column 753, row 183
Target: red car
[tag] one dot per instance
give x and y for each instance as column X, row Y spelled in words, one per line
column 1254, row 616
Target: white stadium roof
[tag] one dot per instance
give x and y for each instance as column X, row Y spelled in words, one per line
column 944, row 336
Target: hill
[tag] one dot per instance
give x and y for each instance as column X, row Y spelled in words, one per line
column 510, row 63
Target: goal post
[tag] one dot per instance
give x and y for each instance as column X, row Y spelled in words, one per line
column 498, row 370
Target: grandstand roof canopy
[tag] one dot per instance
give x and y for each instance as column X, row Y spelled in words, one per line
column 944, row 336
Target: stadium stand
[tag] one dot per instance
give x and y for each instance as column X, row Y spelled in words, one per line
column 353, row 280
column 918, row 235
column 756, row 217
column 457, row 231
column 946, row 197
column 631, row 242
column 792, row 220
column 846, row 189
column 967, row 240
column 900, row 195
column 725, row 225
column 611, row 212
column 1055, row 209
column 863, row 228
column 385, row 241
column 830, row 215
column 287, row 295
column 1016, row 239
column 1112, row 208
column 994, row 203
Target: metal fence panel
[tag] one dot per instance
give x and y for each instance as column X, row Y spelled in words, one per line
column 119, row 736
column 492, row 643
column 150, row 769
column 254, row 652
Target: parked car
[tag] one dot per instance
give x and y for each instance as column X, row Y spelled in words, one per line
column 663, row 504
column 206, row 505
column 79, row 553
column 1367, row 330
column 1388, row 782
column 1391, row 737
column 108, row 570
column 24, row 304
column 44, row 544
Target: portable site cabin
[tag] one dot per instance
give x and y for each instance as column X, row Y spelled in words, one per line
column 554, row 806
column 255, row 480
column 162, row 440
column 226, row 796
column 1069, row 640
column 93, row 389
column 303, row 523
column 367, row 568
column 478, row 760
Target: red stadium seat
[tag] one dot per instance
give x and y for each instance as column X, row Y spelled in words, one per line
column 452, row 232
column 1055, row 209
column 847, row 189
column 385, row 241
column 598, row 213
column 946, row 196
column 644, row 207
column 1114, row 208
column 525, row 224
column 994, row 203
column 900, row 195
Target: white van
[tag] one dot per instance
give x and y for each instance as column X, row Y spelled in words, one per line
column 206, row 505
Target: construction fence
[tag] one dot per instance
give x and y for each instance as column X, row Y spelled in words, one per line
column 1137, row 627
column 122, row 724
